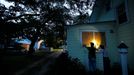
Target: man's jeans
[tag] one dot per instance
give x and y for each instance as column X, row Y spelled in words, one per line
column 92, row 64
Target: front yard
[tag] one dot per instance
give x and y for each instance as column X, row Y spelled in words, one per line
column 11, row 63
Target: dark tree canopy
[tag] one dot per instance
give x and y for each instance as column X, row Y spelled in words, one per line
column 48, row 17
column 67, row 12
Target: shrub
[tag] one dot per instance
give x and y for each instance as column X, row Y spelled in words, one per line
column 66, row 65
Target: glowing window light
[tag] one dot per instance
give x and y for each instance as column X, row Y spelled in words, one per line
column 95, row 44
column 96, row 40
column 95, row 37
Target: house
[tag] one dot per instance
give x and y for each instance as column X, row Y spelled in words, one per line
column 111, row 22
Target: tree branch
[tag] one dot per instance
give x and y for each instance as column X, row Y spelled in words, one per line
column 16, row 17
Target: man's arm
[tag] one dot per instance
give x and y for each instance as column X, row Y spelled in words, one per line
column 86, row 47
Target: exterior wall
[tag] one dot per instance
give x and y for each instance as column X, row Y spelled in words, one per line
column 74, row 45
column 100, row 14
column 107, row 16
column 125, row 33
column 116, row 2
column 95, row 14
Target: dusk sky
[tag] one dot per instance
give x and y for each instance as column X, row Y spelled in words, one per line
column 7, row 4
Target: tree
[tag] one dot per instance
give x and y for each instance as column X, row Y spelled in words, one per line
column 48, row 15
column 71, row 11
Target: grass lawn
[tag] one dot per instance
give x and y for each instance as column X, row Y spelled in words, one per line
column 10, row 63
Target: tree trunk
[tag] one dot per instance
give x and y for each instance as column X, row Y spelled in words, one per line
column 33, row 40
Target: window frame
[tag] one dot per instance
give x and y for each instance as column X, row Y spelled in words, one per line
column 126, row 12
column 81, row 31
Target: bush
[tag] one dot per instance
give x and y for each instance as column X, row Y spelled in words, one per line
column 116, row 69
column 66, row 65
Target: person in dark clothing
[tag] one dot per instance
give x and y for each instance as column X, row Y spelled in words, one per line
column 92, row 57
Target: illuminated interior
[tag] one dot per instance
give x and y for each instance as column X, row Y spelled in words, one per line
column 98, row 38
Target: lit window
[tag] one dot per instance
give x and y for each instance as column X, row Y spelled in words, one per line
column 98, row 38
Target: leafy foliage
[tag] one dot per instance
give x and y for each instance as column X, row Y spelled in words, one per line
column 45, row 16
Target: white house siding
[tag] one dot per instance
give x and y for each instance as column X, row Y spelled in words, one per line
column 107, row 16
column 100, row 14
column 126, row 33
column 116, row 2
column 95, row 14
column 74, row 45
column 123, row 32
